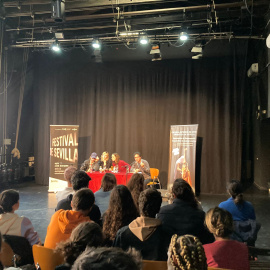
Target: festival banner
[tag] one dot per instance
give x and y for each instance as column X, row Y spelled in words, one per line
column 183, row 139
column 63, row 153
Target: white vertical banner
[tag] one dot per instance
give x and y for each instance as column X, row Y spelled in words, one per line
column 63, row 153
column 183, row 139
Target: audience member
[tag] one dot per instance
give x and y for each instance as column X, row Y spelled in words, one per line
column 245, row 225
column 186, row 252
column 240, row 209
column 91, row 164
column 64, row 221
column 184, row 215
column 108, row 259
column 141, row 166
column 1, row 265
column 105, row 161
column 79, row 179
column 224, row 253
column 60, row 195
column 11, row 223
column 87, row 234
column 120, row 213
column 136, row 186
column 119, row 165
column 102, row 196
column 145, row 232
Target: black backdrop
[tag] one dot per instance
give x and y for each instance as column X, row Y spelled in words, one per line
column 129, row 106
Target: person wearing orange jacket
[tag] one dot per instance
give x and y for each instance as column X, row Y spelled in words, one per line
column 64, row 221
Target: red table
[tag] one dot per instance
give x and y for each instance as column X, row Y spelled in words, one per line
column 95, row 183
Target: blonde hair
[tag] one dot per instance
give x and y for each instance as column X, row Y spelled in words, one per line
column 104, row 153
column 186, row 253
column 219, row 222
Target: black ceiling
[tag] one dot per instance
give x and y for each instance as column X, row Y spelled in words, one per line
column 28, row 23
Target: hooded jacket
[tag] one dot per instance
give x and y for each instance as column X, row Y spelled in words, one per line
column 145, row 235
column 61, row 225
column 12, row 224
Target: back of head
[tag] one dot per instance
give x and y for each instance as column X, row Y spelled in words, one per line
column 219, row 222
column 83, row 199
column 108, row 182
column 149, row 202
column 235, row 189
column 8, row 198
column 183, row 191
column 108, row 258
column 186, row 252
column 69, row 171
column 136, row 182
column 86, row 234
column 80, row 179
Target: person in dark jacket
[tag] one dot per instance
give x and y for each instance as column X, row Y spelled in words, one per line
column 184, row 215
column 80, row 179
column 145, row 232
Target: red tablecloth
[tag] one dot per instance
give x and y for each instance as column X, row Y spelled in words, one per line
column 95, row 183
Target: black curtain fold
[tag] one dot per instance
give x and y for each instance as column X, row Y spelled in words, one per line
column 129, row 106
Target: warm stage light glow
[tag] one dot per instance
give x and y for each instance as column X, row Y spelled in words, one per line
column 56, row 47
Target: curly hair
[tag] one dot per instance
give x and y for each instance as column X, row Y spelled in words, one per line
column 219, row 222
column 186, row 253
column 86, row 234
column 8, row 198
column 108, row 182
column 136, row 186
column 120, row 213
column 183, row 191
column 108, row 258
column 149, row 202
column 235, row 189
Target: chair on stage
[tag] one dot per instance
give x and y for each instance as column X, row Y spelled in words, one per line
column 46, row 258
column 154, row 176
column 157, row 265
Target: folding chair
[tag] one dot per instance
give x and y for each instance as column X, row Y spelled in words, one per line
column 46, row 258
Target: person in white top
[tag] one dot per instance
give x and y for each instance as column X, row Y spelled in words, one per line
column 11, row 223
column 60, row 195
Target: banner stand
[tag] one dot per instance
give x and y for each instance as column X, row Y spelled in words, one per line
column 183, row 139
column 63, row 153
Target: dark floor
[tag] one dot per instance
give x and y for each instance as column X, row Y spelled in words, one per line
column 38, row 205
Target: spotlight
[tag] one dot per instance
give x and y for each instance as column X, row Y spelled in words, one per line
column 155, row 52
column 197, row 56
column 58, row 10
column 56, row 47
column 197, row 49
column 183, row 36
column 144, row 40
column 96, row 44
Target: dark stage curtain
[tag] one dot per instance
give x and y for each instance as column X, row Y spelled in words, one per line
column 129, row 106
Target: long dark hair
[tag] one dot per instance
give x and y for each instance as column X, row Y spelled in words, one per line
column 108, row 182
column 120, row 213
column 183, row 191
column 8, row 198
column 86, row 234
column 235, row 189
column 136, row 186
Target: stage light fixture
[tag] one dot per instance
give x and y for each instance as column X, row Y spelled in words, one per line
column 58, row 10
column 56, row 47
column 183, row 36
column 155, row 52
column 197, row 56
column 143, row 39
column 96, row 44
